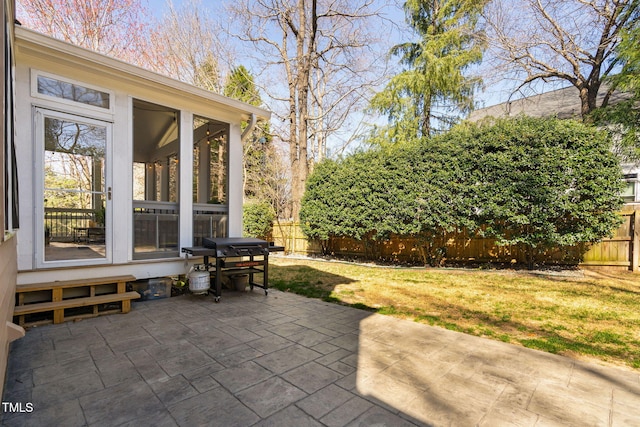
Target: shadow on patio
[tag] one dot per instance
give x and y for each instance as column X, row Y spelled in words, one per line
column 287, row 360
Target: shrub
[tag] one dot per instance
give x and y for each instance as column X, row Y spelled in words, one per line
column 544, row 183
column 257, row 220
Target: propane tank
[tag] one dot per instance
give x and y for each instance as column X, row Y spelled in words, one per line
column 199, row 280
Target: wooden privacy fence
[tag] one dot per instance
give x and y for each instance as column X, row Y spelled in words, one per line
column 290, row 235
column 623, row 249
column 620, row 251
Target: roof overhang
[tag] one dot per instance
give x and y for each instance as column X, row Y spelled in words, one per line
column 46, row 48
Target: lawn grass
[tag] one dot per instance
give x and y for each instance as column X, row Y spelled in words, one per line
column 588, row 315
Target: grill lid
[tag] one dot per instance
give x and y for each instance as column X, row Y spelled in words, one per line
column 218, row 243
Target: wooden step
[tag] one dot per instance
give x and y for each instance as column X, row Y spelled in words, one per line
column 60, row 295
column 74, row 302
column 33, row 287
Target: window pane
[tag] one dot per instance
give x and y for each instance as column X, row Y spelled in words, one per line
column 72, row 92
column 210, row 158
column 218, row 171
column 629, row 192
column 156, row 181
column 74, row 189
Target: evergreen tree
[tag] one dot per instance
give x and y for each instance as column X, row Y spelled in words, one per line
column 240, row 86
column 628, row 52
column 207, row 74
column 433, row 90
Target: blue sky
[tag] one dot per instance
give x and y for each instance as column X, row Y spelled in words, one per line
column 339, row 139
column 491, row 96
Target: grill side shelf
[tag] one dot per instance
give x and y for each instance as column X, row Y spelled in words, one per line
column 199, row 251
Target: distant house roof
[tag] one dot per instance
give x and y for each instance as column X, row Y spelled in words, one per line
column 563, row 103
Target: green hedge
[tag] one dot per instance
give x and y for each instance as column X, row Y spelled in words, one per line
column 538, row 182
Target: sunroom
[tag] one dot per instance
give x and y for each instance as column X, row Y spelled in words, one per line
column 120, row 167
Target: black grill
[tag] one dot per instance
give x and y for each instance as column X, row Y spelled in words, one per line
column 236, row 246
column 235, row 256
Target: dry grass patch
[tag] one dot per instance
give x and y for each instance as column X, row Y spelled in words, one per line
column 589, row 315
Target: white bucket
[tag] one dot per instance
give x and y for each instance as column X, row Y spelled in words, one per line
column 199, row 282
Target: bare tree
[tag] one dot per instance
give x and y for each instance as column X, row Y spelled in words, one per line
column 112, row 27
column 336, row 96
column 566, row 41
column 185, row 46
column 320, row 53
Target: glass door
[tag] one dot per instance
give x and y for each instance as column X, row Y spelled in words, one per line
column 74, row 222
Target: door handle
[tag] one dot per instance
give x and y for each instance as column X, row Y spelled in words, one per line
column 109, row 193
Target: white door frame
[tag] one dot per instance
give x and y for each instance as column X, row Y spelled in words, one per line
column 39, row 174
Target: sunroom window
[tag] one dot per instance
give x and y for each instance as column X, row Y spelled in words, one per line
column 56, row 88
column 156, row 145
column 210, row 186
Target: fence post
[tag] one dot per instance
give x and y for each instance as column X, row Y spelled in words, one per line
column 298, row 242
column 292, row 242
column 294, row 226
column 635, row 255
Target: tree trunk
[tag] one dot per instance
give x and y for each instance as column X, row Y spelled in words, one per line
column 588, row 98
column 315, row 43
column 426, row 115
column 305, row 46
column 294, row 152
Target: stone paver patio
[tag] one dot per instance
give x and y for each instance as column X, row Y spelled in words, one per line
column 285, row 360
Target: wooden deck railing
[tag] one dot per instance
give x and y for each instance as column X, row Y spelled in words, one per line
column 155, row 224
column 60, row 223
